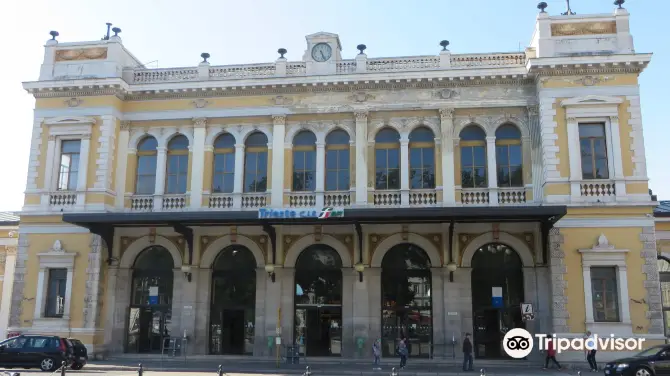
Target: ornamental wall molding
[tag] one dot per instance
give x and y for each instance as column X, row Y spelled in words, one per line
column 591, row 100
column 490, row 124
column 404, row 126
column 163, row 135
column 70, row 120
column 321, row 129
column 239, row 131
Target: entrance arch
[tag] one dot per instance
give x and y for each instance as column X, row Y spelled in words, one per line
column 233, row 301
column 138, row 246
column 150, row 315
column 318, row 301
column 406, row 300
column 497, row 282
column 299, row 247
column 385, row 245
column 516, row 244
column 214, row 250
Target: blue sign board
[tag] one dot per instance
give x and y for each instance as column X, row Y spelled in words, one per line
column 496, row 297
column 321, row 213
column 153, row 295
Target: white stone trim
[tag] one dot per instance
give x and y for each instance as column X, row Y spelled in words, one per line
column 139, row 245
column 55, row 258
column 296, row 249
column 380, row 250
column 662, row 235
column 601, row 222
column 105, row 153
column 35, row 150
column 605, row 255
column 8, row 282
column 548, row 136
column 519, row 246
column 569, row 92
column 637, row 137
column 214, row 248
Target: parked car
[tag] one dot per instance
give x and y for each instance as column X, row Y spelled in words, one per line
column 36, row 351
column 654, row 361
column 79, row 354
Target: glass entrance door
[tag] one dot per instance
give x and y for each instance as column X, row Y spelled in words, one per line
column 147, row 329
column 318, row 330
column 415, row 325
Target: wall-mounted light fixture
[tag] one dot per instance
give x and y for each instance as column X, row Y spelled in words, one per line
column 451, row 267
column 187, row 272
column 271, row 271
column 360, row 268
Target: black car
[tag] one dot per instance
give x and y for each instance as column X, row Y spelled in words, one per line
column 654, row 361
column 35, row 351
column 79, row 354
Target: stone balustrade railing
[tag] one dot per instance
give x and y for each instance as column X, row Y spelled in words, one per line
column 282, row 68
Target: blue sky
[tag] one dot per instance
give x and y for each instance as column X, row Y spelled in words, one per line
column 171, row 33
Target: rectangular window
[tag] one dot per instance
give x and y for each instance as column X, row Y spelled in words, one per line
column 387, row 172
column 337, row 169
column 69, row 165
column 224, row 173
column 255, row 171
column 177, row 174
column 509, row 163
column 146, row 175
column 605, row 294
column 593, row 149
column 55, row 304
column 473, row 166
column 304, row 170
column 422, row 167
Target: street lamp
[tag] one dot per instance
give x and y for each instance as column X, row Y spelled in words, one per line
column 451, row 267
column 187, row 272
column 271, row 271
column 359, row 268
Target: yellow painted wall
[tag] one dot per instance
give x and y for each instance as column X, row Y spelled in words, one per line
column 562, row 139
column 662, row 226
column 585, row 238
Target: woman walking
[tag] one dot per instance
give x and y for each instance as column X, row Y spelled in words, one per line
column 551, row 353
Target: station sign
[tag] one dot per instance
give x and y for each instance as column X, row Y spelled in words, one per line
column 317, row 213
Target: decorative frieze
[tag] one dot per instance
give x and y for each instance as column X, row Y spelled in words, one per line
column 98, row 53
column 73, row 102
column 583, row 28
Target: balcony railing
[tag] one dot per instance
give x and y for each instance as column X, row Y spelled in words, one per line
column 221, row 201
column 62, row 199
column 511, row 196
column 299, row 68
column 387, row 198
column 423, row 197
column 174, row 202
column 302, row 199
column 337, row 198
column 597, row 188
column 142, row 203
column 254, row 200
column 475, row 196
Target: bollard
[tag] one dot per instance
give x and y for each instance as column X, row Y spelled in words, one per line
column 140, row 370
column 307, row 372
column 394, row 372
column 482, row 372
column 62, row 369
column 220, row 371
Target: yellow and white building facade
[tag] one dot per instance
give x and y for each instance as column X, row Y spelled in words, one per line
column 188, row 202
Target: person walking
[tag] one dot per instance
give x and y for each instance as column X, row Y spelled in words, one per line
column 377, row 353
column 591, row 351
column 467, row 353
column 551, row 354
column 403, row 352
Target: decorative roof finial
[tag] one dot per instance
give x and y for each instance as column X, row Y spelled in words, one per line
column 619, row 3
column 361, row 48
column 444, row 44
column 542, row 6
column 204, row 57
column 569, row 11
column 53, row 34
column 282, row 52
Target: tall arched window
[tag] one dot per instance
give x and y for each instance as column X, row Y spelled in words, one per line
column 145, row 175
column 508, row 156
column 473, row 157
column 304, row 162
column 664, row 277
column 387, row 159
column 337, row 161
column 422, row 159
column 256, row 163
column 224, row 164
column 177, row 165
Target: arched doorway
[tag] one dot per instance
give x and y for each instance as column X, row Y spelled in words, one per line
column 233, row 302
column 318, row 301
column 664, row 277
column 407, row 309
column 497, row 270
column 150, row 313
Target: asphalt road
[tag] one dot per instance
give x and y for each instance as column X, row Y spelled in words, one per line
column 506, row 372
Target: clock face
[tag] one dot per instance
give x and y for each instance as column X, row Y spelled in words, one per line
column 321, row 52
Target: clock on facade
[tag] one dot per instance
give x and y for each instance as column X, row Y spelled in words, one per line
column 321, row 52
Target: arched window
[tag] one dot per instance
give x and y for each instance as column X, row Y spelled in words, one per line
column 153, row 268
column 224, row 164
column 177, row 165
column 387, row 159
column 508, row 156
column 304, row 162
column 664, row 277
column 422, row 159
column 473, row 157
column 337, row 161
column 145, row 175
column 256, row 163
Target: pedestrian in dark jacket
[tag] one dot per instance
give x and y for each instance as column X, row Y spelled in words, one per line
column 551, row 354
column 467, row 353
column 403, row 351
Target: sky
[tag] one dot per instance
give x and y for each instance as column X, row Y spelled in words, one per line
column 170, row 33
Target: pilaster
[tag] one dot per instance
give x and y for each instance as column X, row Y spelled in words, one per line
column 121, row 165
column 320, row 173
column 361, row 158
column 404, row 171
column 198, row 163
column 161, row 166
column 492, row 170
column 238, row 177
column 83, row 171
column 277, row 183
column 537, row 176
column 448, row 181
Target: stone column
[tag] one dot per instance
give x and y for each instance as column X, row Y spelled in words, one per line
column 238, row 179
column 619, row 182
column 447, row 129
column 50, row 169
column 559, row 283
column 437, row 302
column 348, row 340
column 286, row 279
column 462, row 277
column 454, row 312
column 537, row 174
column 530, row 292
column 200, row 342
column 198, row 163
column 83, row 171
column 179, row 290
column 492, row 170
column 361, row 315
column 116, row 323
column 373, row 278
column 272, row 304
column 10, row 263
column 121, row 165
column 320, row 173
column 161, row 166
column 277, row 183
column 404, row 171
column 189, row 304
column 260, row 339
column 361, row 157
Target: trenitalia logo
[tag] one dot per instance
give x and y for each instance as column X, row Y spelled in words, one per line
column 323, row 213
column 330, row 212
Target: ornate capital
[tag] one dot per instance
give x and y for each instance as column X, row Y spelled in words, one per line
column 86, row 136
column 361, row 115
column 52, row 138
column 533, row 110
column 572, row 120
column 125, row 125
column 446, row 113
column 199, row 122
column 11, row 250
column 279, row 119
column 614, row 118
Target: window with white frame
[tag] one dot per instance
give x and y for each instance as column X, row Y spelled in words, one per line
column 593, row 151
column 604, row 294
column 68, row 171
column 55, row 301
column 54, row 285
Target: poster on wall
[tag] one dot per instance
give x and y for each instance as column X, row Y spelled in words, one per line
column 496, row 297
column 153, row 295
